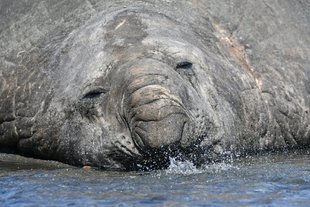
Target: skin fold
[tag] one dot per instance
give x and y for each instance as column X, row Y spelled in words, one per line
column 126, row 85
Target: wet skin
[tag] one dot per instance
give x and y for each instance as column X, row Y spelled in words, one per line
column 140, row 106
column 131, row 87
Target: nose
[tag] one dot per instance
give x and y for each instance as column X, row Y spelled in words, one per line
column 156, row 118
column 155, row 114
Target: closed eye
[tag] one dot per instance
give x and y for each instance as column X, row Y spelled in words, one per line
column 184, row 65
column 94, row 93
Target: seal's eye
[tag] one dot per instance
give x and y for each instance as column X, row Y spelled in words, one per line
column 94, row 93
column 184, row 65
column 186, row 71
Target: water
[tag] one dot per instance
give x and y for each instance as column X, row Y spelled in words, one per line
column 277, row 180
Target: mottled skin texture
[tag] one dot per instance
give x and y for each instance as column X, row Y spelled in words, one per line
column 126, row 84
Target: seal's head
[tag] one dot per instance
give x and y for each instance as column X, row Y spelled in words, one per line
column 128, row 93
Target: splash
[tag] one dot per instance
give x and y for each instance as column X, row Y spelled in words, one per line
column 187, row 168
column 182, row 167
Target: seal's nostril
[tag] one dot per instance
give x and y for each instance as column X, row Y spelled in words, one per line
column 184, row 65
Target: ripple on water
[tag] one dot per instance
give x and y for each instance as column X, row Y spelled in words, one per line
column 263, row 181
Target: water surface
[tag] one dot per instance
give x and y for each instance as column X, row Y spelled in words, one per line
column 271, row 180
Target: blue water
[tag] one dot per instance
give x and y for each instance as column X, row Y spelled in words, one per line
column 271, row 180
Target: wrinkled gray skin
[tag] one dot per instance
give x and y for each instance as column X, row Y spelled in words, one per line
column 127, row 84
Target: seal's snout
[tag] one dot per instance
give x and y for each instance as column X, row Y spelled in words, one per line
column 159, row 134
column 156, row 117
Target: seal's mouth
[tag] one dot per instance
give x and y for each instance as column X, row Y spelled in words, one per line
column 156, row 118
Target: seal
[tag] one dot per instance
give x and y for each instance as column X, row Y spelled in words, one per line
column 126, row 86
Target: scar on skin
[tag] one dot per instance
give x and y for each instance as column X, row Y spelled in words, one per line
column 120, row 24
column 237, row 51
